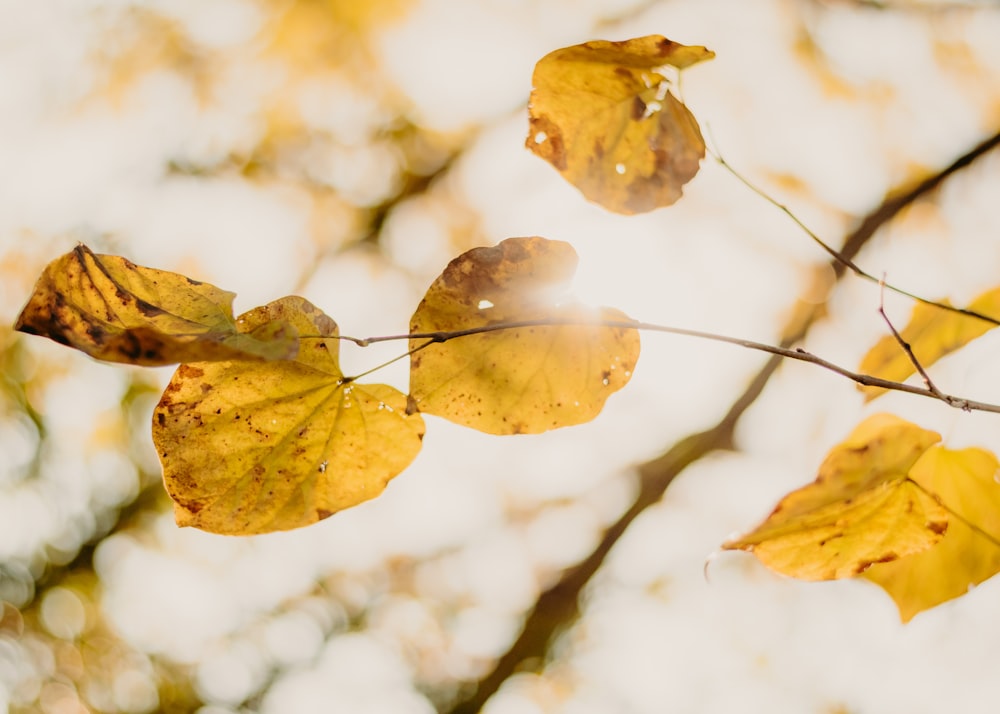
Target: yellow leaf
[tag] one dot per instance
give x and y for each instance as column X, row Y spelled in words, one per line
column 603, row 115
column 117, row 311
column 861, row 510
column 522, row 380
column 964, row 482
column 251, row 447
column 931, row 333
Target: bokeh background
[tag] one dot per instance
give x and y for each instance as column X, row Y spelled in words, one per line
column 345, row 151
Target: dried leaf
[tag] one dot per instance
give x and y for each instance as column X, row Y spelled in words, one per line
column 964, row 482
column 931, row 333
column 117, row 311
column 251, row 447
column 862, row 509
column 604, row 116
column 521, row 380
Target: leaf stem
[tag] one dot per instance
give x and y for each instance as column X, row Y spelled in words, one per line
column 364, row 343
column 904, row 345
column 840, row 257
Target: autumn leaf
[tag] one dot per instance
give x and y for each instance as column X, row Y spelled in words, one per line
column 964, row 482
column 931, row 334
column 602, row 113
column 521, row 380
column 251, row 447
column 862, row 509
column 117, row 311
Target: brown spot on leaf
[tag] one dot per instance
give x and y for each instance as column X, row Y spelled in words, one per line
column 666, row 47
column 192, row 507
column 865, row 564
column 638, row 109
column 938, row 527
column 187, row 371
column 824, row 541
column 97, row 333
column 148, row 309
column 326, row 325
column 130, row 346
column 552, row 148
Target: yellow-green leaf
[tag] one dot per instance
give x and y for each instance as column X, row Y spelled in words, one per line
column 114, row 310
column 862, row 508
column 604, row 116
column 251, row 447
column 931, row 333
column 521, row 380
column 964, row 482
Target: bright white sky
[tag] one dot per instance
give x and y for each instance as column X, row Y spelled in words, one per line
column 484, row 522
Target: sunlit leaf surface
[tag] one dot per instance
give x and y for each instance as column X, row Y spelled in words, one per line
column 604, row 116
column 250, row 447
column 523, row 380
column 862, row 508
column 965, row 482
column 117, row 311
column 931, row 333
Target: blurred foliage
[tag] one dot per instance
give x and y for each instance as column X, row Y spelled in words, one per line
column 58, row 653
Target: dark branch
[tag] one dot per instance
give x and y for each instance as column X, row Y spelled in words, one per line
column 906, row 347
column 798, row 354
column 558, row 607
column 889, row 208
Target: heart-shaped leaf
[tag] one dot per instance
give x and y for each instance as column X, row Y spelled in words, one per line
column 602, row 113
column 516, row 380
column 251, row 447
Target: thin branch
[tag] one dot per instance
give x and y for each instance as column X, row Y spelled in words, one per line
column 797, row 354
column 904, row 345
column 846, row 262
column 558, row 606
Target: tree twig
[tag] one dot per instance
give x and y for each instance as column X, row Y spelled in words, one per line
column 559, row 606
column 840, row 257
column 797, row 354
column 905, row 346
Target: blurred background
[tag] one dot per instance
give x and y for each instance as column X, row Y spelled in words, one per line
column 346, row 151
